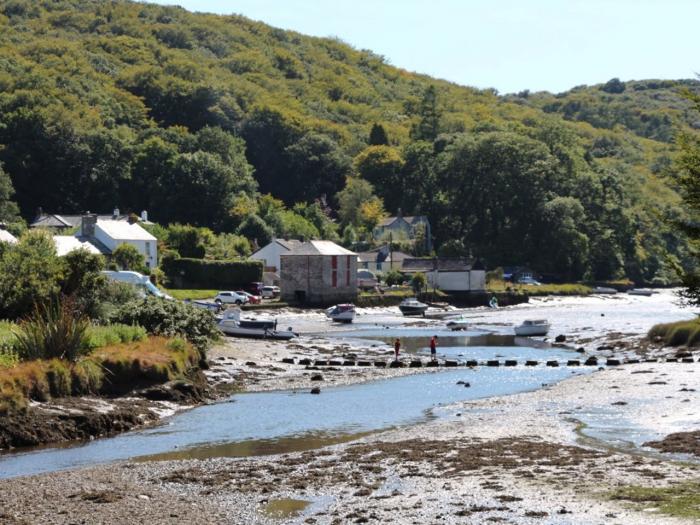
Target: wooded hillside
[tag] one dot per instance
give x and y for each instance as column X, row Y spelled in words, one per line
column 195, row 117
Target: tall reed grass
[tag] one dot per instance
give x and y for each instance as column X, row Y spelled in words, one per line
column 682, row 333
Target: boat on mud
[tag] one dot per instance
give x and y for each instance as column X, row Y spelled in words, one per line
column 232, row 324
column 641, row 291
column 457, row 323
column 412, row 306
column 604, row 290
column 532, row 327
column 341, row 313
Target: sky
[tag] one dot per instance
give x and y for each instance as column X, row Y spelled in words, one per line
column 509, row 45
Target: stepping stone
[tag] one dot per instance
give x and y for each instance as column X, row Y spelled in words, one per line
column 493, row 363
column 305, row 361
column 552, row 363
column 472, row 363
column 451, row 363
column 380, row 364
column 321, row 362
column 348, row 363
column 531, row 363
column 415, row 364
column 632, row 361
column 288, row 360
column 591, row 361
column 432, row 364
column 573, row 362
column 671, row 359
column 511, row 362
column 687, row 360
column 335, row 363
column 396, row 364
column 612, row 362
column 364, row 363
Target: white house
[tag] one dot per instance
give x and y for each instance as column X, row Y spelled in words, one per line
column 67, row 243
column 107, row 235
column 270, row 253
column 449, row 274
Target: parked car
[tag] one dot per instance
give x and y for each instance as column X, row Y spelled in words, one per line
column 268, row 292
column 230, row 298
column 252, row 299
column 255, row 288
column 366, row 279
column 529, row 280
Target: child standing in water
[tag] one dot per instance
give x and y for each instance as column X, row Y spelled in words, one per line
column 433, row 347
column 397, row 347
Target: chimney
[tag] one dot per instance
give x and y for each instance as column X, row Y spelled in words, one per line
column 144, row 216
column 398, row 212
column 87, row 224
column 115, row 214
column 39, row 213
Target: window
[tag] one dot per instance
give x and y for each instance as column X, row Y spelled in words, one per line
column 148, row 248
column 334, row 271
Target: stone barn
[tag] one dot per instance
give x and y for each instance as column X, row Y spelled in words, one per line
column 318, row 272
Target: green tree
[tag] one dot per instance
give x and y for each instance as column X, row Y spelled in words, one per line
column 350, row 199
column 378, row 136
column 568, row 246
column 9, row 211
column 30, row 273
column 381, row 166
column 428, row 127
column 419, row 282
column 127, row 257
column 189, row 241
column 83, row 281
column 256, row 231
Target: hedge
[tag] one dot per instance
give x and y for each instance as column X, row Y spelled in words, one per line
column 206, row 274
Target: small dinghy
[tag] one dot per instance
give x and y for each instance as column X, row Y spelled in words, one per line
column 604, row 290
column 232, row 324
column 532, row 327
column 341, row 313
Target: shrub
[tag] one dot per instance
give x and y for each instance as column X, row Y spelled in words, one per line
column 170, row 319
column 55, row 330
column 419, row 282
column 99, row 336
column 199, row 274
column 393, row 277
column 127, row 257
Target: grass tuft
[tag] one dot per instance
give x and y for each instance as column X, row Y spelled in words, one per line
column 681, row 333
column 681, row 500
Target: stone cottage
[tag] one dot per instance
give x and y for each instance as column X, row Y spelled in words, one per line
column 318, row 272
column 404, row 228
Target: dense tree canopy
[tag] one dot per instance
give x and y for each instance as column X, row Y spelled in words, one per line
column 221, row 122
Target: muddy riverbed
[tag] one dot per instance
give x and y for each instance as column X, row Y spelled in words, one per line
column 555, row 450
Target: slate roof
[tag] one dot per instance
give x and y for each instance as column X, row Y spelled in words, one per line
column 410, row 219
column 379, row 256
column 54, row 220
column 318, row 248
column 441, row 264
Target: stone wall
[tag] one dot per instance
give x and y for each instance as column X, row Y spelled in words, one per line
column 308, row 279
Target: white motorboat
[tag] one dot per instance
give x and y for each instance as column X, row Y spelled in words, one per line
column 412, row 306
column 458, row 323
column 233, row 325
column 641, row 291
column 341, row 313
column 604, row 290
column 532, row 327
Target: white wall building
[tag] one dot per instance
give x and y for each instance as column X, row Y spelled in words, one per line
column 112, row 234
column 7, row 237
column 270, row 253
column 449, row 274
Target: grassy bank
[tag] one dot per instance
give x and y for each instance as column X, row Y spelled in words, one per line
column 535, row 291
column 681, row 333
column 113, row 369
column 194, row 295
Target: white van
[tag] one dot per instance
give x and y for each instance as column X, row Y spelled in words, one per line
column 139, row 280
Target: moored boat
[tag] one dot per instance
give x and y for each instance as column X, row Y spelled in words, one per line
column 412, row 306
column 604, row 290
column 640, row 291
column 231, row 324
column 457, row 323
column 341, row 313
column 532, row 327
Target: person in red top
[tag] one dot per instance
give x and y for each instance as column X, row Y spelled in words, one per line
column 397, row 347
column 433, row 347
